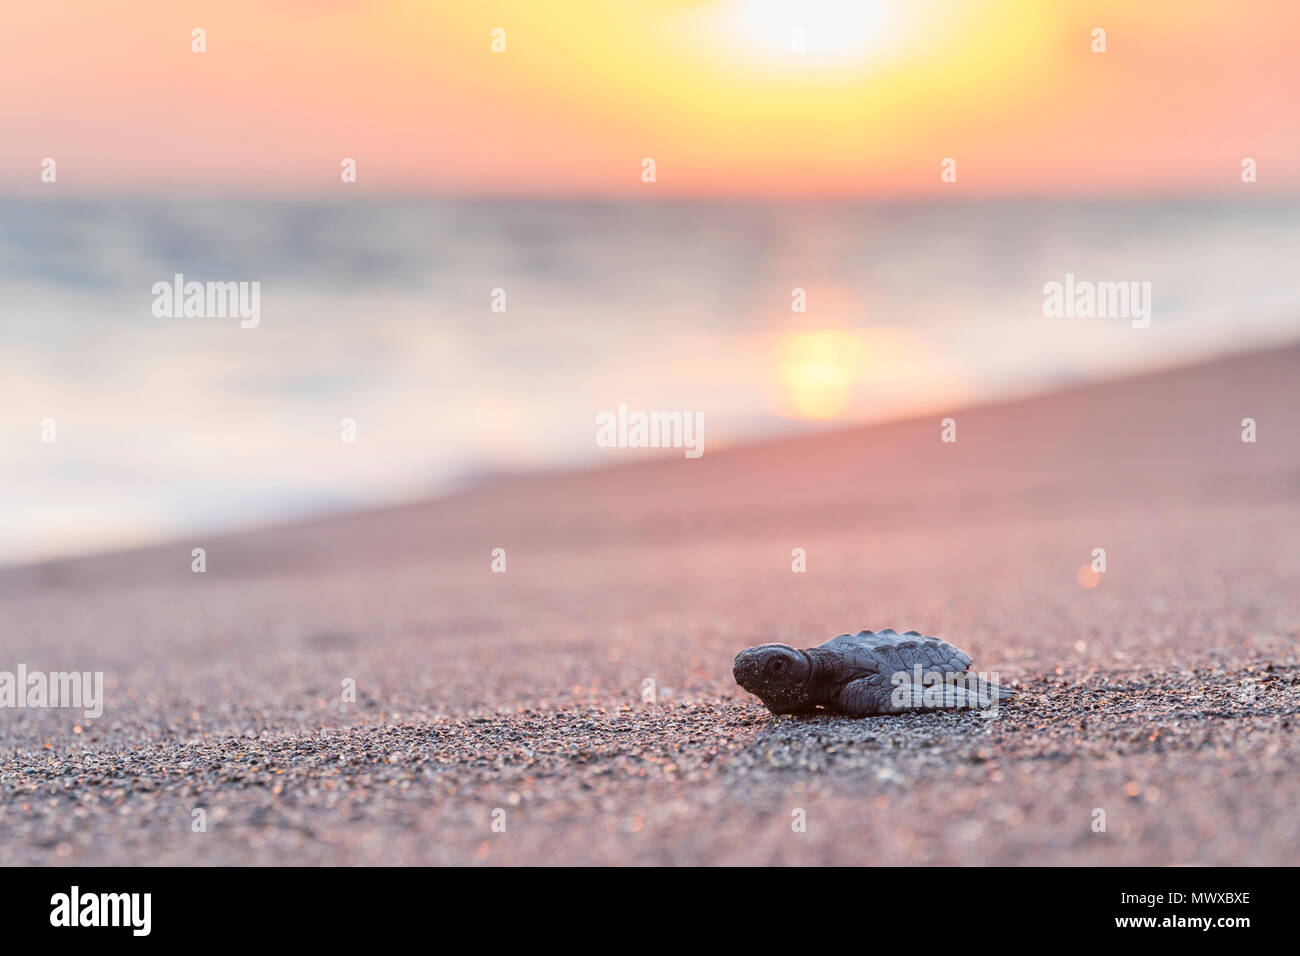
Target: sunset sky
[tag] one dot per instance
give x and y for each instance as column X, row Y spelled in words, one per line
column 711, row 89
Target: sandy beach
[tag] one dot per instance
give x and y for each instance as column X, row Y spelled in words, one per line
column 1166, row 695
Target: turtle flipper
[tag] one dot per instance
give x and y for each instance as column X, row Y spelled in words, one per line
column 873, row 696
column 866, row 697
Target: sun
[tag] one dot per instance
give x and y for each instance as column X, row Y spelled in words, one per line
column 830, row 32
column 817, row 371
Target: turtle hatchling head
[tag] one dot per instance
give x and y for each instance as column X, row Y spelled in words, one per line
column 777, row 674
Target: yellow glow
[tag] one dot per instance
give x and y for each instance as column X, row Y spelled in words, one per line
column 817, row 371
column 714, row 90
column 824, row 30
column 862, row 374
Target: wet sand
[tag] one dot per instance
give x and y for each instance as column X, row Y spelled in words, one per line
column 1165, row 696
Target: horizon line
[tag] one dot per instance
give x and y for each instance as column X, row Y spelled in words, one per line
column 928, row 197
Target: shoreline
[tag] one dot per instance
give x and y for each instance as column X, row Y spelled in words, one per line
column 486, row 479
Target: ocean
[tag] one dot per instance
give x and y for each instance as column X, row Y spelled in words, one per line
column 468, row 338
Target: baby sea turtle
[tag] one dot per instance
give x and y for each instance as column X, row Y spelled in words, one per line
column 870, row 672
